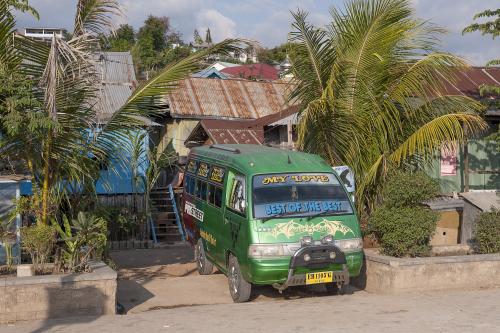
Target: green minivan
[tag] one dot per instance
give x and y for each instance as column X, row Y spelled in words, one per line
column 266, row 216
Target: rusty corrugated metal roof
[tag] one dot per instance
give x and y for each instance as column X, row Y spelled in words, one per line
column 469, row 81
column 227, row 131
column 233, row 131
column 227, row 99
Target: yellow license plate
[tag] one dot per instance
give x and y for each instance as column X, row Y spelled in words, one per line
column 319, row 277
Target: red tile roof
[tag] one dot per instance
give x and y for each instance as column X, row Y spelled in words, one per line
column 253, row 71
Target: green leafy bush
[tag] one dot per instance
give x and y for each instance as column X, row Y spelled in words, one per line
column 39, row 241
column 487, row 232
column 84, row 237
column 402, row 226
column 404, row 231
column 408, row 189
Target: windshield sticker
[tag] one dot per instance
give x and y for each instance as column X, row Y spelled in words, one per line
column 192, row 166
column 203, row 170
column 292, row 228
column 217, row 175
column 303, row 207
column 295, row 179
column 190, row 209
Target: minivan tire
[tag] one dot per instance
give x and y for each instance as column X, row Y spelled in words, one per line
column 205, row 267
column 239, row 288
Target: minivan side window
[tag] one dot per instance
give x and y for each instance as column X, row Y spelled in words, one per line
column 201, row 189
column 237, row 200
column 215, row 195
column 190, row 182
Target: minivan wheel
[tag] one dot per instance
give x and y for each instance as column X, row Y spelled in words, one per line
column 204, row 266
column 239, row 288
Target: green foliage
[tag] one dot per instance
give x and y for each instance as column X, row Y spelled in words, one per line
column 39, row 241
column 208, row 37
column 409, row 189
column 84, row 237
column 122, row 40
column 486, row 28
column 156, row 29
column 404, row 231
column 197, row 38
column 19, row 108
column 492, row 28
column 487, row 232
column 274, row 55
column 24, row 7
column 402, row 226
column 8, row 239
column 356, row 81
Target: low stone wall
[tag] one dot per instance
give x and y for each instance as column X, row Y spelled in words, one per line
column 386, row 274
column 52, row 296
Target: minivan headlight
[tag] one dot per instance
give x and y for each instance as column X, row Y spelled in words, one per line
column 265, row 250
column 353, row 244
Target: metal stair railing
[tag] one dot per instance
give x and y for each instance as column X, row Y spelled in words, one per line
column 176, row 212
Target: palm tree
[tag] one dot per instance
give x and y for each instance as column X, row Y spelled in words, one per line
column 370, row 90
column 59, row 139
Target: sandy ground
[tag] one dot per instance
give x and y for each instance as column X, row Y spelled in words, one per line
column 466, row 311
column 167, row 278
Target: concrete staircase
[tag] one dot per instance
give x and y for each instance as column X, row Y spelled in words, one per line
column 163, row 216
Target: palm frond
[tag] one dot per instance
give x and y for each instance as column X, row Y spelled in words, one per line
column 8, row 57
column 443, row 129
column 312, row 56
column 96, row 16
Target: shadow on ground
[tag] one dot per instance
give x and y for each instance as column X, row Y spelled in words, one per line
column 167, row 278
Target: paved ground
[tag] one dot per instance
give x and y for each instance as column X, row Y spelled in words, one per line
column 167, row 278
column 467, row 311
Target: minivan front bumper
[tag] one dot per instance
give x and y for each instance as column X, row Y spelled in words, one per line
column 318, row 257
column 291, row 271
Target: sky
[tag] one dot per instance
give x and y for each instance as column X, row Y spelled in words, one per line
column 268, row 21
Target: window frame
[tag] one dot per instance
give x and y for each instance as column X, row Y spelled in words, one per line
column 229, row 203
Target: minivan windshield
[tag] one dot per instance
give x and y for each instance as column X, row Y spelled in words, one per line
column 298, row 194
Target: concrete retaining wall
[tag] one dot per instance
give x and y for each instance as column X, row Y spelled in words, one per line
column 386, row 274
column 52, row 296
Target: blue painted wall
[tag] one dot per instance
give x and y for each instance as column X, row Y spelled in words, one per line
column 117, row 179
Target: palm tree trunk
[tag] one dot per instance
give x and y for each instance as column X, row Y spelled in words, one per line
column 46, row 180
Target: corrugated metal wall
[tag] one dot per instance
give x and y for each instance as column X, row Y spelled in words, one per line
column 484, row 168
column 8, row 193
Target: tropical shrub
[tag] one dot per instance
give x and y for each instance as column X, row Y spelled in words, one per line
column 84, row 237
column 401, row 225
column 487, row 232
column 8, row 239
column 404, row 231
column 409, row 189
column 39, row 241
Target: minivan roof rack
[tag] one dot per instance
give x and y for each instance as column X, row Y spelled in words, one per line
column 228, row 149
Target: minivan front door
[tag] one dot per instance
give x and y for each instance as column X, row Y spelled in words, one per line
column 234, row 216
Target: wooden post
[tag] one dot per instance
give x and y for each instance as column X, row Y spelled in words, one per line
column 466, row 166
column 289, row 130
